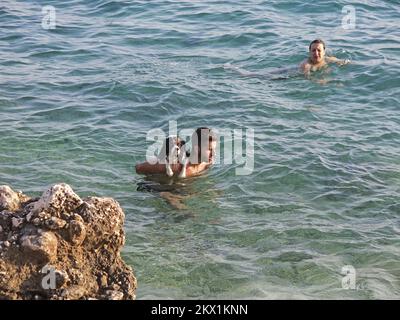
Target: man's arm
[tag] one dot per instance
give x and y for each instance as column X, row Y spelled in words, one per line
column 305, row 68
column 340, row 62
column 242, row 72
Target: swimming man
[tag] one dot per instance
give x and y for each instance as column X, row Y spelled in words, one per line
column 317, row 59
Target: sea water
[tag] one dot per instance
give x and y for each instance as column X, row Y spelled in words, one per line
column 82, row 83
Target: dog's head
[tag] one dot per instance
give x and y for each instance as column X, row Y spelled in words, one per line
column 172, row 150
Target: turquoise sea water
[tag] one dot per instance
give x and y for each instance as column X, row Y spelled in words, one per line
column 77, row 101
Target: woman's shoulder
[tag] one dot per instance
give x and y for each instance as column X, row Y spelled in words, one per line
column 196, row 169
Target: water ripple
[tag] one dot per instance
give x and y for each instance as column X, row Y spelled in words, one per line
column 77, row 102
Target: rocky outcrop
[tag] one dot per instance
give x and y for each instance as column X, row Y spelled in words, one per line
column 60, row 246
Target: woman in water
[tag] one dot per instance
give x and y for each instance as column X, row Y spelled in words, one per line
column 202, row 156
column 204, row 143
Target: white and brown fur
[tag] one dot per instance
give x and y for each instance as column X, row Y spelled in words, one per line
column 173, row 152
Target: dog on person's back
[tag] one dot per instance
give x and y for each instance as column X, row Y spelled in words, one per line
column 173, row 152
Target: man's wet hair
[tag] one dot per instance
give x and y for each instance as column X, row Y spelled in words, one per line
column 316, row 41
column 197, row 136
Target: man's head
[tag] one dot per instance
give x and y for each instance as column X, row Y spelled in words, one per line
column 317, row 51
column 204, row 143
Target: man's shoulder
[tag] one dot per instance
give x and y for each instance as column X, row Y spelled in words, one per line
column 305, row 65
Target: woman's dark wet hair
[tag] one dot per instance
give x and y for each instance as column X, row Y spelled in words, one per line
column 316, row 41
column 198, row 137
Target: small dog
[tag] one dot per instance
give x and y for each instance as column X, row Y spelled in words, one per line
column 173, row 152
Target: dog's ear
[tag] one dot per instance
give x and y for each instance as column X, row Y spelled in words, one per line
column 167, row 141
column 171, row 142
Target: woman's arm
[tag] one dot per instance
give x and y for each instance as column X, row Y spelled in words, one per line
column 194, row 170
column 158, row 168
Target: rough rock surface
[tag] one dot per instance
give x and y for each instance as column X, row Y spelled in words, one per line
column 60, row 246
